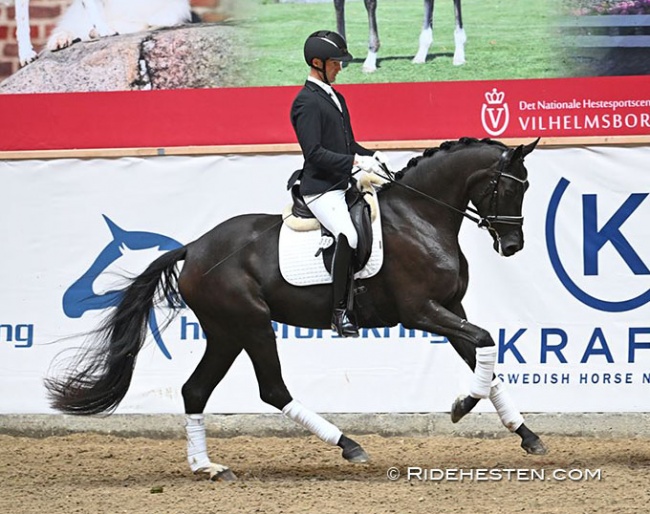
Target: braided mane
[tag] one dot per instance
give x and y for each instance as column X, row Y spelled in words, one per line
column 447, row 145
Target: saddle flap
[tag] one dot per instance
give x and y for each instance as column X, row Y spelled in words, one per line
column 300, row 266
column 360, row 214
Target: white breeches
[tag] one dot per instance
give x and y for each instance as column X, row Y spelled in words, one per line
column 332, row 212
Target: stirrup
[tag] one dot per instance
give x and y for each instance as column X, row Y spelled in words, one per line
column 343, row 325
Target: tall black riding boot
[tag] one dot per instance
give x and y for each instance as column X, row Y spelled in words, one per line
column 343, row 289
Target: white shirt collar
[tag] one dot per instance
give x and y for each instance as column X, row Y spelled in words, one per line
column 327, row 88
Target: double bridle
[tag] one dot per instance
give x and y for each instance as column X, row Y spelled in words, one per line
column 489, row 220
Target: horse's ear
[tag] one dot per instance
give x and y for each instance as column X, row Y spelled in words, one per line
column 517, row 154
column 530, row 147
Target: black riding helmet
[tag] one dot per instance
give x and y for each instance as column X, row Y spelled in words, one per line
column 324, row 45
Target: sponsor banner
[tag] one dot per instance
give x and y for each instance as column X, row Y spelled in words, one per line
column 570, row 107
column 569, row 312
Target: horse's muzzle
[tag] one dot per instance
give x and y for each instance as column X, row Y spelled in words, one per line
column 509, row 243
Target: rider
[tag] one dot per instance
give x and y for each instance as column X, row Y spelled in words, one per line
column 321, row 120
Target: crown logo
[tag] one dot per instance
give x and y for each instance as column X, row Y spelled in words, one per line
column 494, row 97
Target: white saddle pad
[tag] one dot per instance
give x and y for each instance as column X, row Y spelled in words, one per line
column 299, row 265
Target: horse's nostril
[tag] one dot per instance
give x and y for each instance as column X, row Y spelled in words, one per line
column 511, row 249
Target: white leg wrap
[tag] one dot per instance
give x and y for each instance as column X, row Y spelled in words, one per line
column 317, row 425
column 485, row 359
column 500, row 398
column 197, row 450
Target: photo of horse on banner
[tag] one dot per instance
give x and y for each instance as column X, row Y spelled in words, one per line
column 84, row 20
column 426, row 35
column 231, row 280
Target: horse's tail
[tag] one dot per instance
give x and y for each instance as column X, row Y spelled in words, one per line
column 98, row 377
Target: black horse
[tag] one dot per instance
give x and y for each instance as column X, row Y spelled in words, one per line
column 231, row 280
column 426, row 35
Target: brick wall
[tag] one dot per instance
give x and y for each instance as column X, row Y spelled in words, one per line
column 43, row 15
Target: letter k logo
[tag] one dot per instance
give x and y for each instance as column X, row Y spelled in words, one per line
column 595, row 239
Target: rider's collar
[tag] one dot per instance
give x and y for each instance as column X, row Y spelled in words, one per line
column 326, row 87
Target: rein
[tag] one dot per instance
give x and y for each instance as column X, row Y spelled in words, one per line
column 481, row 221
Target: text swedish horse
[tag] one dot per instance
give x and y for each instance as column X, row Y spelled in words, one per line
column 232, row 282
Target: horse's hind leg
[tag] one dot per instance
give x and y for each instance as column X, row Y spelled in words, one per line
column 262, row 350
column 459, row 36
column 219, row 355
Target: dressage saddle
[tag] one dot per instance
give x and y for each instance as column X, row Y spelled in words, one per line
column 361, row 219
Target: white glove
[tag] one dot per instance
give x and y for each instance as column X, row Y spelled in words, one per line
column 383, row 159
column 371, row 171
column 367, row 164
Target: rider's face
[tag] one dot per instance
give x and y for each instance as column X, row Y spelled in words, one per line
column 332, row 69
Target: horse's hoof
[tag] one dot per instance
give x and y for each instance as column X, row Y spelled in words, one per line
column 534, row 446
column 224, row 476
column 461, row 406
column 457, row 410
column 356, row 455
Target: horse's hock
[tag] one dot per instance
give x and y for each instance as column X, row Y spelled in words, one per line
column 190, row 56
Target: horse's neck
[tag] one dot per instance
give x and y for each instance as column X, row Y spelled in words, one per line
column 444, row 178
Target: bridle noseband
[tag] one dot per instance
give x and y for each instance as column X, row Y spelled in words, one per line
column 491, row 219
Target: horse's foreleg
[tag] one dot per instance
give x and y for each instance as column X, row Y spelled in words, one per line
column 325, row 431
column 262, row 350
column 26, row 52
column 482, row 363
column 459, row 36
column 475, row 345
column 370, row 64
column 218, row 357
column 503, row 404
column 513, row 420
column 499, row 396
column 426, row 36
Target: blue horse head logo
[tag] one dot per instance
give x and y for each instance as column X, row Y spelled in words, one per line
column 81, row 297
